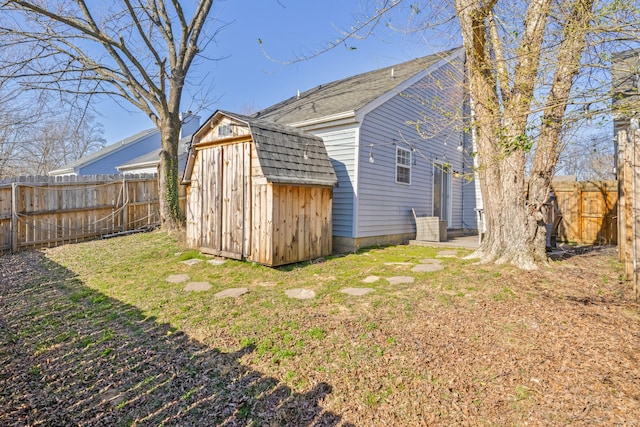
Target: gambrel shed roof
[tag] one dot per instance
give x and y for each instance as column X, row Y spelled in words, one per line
column 286, row 154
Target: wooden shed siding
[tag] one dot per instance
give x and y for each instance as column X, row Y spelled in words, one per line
column 238, row 209
column 195, row 194
column 341, row 147
column 384, row 205
column 301, row 221
column 218, row 214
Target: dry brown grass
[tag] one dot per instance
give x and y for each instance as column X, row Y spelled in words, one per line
column 93, row 334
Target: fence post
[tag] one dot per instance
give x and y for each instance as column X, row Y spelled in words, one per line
column 14, row 217
column 622, row 197
column 125, row 203
column 635, row 216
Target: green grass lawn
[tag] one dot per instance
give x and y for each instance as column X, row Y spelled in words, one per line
column 471, row 343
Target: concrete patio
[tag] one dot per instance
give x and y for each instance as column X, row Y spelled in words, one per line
column 466, row 242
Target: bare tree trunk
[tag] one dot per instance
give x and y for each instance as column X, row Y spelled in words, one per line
column 168, row 180
column 147, row 49
column 515, row 209
column 547, row 152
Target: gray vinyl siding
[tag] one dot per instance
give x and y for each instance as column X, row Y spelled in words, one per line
column 384, row 206
column 340, row 145
column 108, row 163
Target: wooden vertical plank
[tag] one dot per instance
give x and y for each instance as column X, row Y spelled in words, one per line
column 635, row 178
column 622, row 136
column 578, row 214
column 254, row 254
column 14, row 217
column 628, row 214
column 326, row 220
column 129, row 219
column 292, row 229
column 303, row 218
column 247, row 213
column 275, row 224
column 204, row 168
column 267, row 235
column 290, row 225
column 219, row 185
column 281, row 222
column 235, row 201
column 260, row 236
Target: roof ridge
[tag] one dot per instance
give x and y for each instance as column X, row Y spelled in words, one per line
column 294, row 103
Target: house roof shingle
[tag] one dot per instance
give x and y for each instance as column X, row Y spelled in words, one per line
column 87, row 160
column 153, row 158
column 348, row 94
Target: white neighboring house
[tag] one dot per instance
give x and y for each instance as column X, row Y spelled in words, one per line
column 398, row 140
column 110, row 158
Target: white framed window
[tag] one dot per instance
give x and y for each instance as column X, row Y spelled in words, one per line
column 403, row 166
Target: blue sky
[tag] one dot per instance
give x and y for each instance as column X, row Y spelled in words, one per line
column 247, row 78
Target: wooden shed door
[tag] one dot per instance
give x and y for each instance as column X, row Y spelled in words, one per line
column 227, row 217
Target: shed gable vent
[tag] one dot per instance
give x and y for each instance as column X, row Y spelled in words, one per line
column 224, row 130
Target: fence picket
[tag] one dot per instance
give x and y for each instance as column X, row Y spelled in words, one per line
column 589, row 211
column 37, row 211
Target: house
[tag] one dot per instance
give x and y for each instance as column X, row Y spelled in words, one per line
column 625, row 78
column 149, row 162
column 259, row 191
column 396, row 138
column 108, row 159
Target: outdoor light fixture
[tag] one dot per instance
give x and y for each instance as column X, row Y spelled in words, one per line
column 371, row 159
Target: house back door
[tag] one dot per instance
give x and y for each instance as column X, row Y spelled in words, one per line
column 441, row 191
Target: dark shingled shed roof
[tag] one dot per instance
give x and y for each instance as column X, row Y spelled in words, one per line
column 348, row 94
column 286, row 154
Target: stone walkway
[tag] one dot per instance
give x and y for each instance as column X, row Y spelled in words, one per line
column 426, row 265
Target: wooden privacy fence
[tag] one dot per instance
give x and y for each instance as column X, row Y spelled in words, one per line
column 50, row 211
column 589, row 212
column 629, row 187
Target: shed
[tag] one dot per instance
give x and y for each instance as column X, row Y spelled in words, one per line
column 258, row 191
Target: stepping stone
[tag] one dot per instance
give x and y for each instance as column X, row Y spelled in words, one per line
column 197, row 286
column 177, row 278
column 299, row 293
column 447, row 254
column 430, row 261
column 396, row 280
column 371, row 279
column 358, row 292
column 231, row 293
column 398, row 263
column 178, row 253
column 192, row 261
column 427, row 268
column 216, row 261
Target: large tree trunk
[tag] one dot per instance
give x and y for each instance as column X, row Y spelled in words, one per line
column 515, row 207
column 168, row 180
